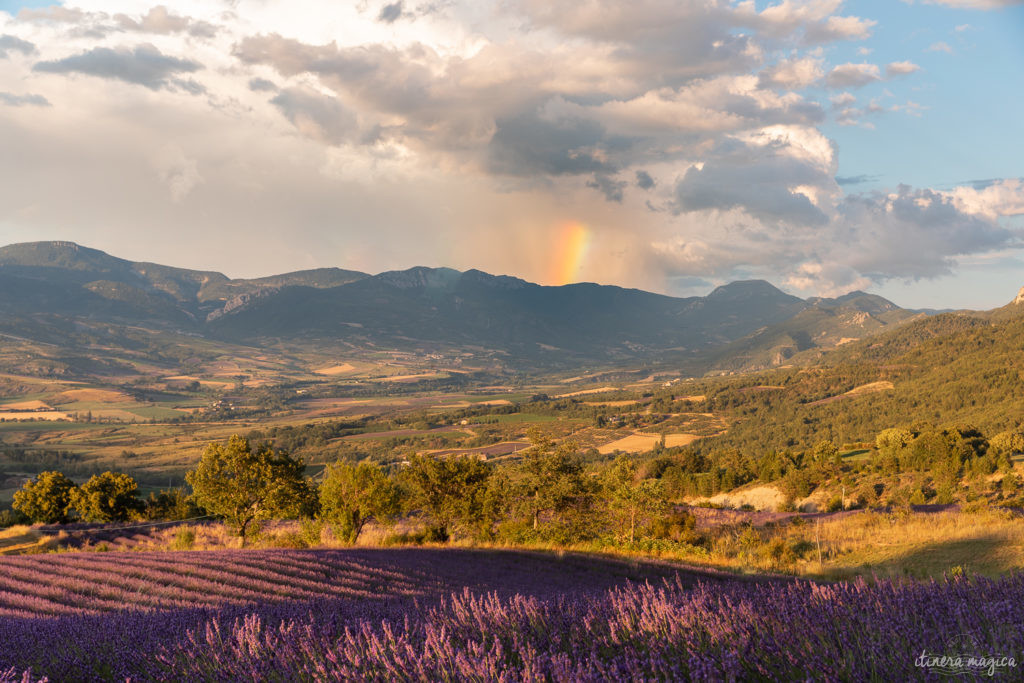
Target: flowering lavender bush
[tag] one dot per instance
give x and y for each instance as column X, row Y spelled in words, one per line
column 539, row 619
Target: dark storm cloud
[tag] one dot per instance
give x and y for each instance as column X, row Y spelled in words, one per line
column 644, row 180
column 143, row 65
column 528, row 144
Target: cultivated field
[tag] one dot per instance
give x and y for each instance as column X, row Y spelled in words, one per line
column 428, row 614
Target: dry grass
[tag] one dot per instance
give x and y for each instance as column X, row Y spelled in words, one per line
column 49, row 415
column 989, row 541
column 26, row 405
column 634, row 443
column 674, row 440
column 584, row 392
column 759, row 497
column 336, row 369
column 97, row 395
column 870, row 388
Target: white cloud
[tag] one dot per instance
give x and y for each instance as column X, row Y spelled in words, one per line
column 940, row 46
column 853, row 75
column 993, row 200
column 894, row 69
column 681, row 133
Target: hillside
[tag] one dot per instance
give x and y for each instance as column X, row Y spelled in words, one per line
column 953, row 368
column 77, row 298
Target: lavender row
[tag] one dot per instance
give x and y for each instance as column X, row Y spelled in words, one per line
column 673, row 631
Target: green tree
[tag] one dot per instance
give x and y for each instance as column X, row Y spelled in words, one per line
column 1007, row 443
column 246, row 485
column 351, row 495
column 46, row 499
column 107, row 497
column 452, row 491
column 632, row 500
column 894, row 438
column 553, row 485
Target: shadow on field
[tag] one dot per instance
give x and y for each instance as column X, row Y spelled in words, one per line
column 990, row 555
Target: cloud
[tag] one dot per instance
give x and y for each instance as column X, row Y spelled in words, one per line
column 793, row 74
column 976, row 4
column 766, row 181
column 54, row 14
column 894, row 69
column 940, row 47
column 390, row 13
column 608, row 186
column 913, row 234
column 177, row 172
column 262, row 85
column 9, row 44
column 317, row 116
column 683, row 133
column 12, row 100
column 857, row 179
column 843, row 99
column 143, row 65
column 992, row 200
column 159, row 20
column 852, row 75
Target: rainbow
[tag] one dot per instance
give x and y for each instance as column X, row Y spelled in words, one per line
column 571, row 242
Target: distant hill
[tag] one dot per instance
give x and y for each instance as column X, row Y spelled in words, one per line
column 50, row 289
column 821, row 325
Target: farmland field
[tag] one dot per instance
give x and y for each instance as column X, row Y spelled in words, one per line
column 425, row 614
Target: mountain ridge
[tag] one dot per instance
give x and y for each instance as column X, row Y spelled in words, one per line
column 422, row 307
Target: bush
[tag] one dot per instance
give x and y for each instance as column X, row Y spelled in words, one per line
column 184, row 538
column 834, row 504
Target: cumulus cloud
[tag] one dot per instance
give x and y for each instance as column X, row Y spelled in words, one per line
column 940, row 46
column 684, row 134
column 160, row 20
column 9, row 44
column 318, row 116
column 852, row 75
column 894, row 69
column 913, row 233
column 991, row 200
column 143, row 65
column 793, row 74
column 53, row 13
column 770, row 182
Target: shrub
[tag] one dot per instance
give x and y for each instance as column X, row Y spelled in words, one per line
column 184, row 538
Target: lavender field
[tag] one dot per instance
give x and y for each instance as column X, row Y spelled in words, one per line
column 423, row 614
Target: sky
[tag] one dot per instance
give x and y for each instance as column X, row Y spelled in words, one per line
column 669, row 145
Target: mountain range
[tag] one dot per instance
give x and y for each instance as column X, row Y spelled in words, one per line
column 51, row 289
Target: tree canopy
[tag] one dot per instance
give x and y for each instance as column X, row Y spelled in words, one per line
column 107, row 497
column 245, row 485
column 46, row 499
column 353, row 494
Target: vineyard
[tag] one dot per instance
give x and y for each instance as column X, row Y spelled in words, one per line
column 430, row 614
